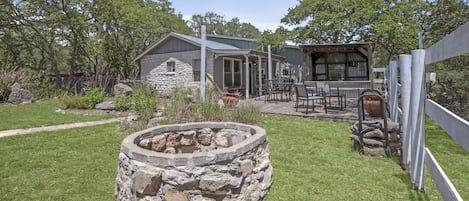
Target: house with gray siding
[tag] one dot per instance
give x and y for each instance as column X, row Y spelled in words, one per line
column 174, row 62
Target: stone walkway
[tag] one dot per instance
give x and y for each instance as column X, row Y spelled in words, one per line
column 7, row 133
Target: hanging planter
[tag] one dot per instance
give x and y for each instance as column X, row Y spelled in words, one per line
column 230, row 99
column 372, row 105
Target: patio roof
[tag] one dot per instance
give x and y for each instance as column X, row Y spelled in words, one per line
column 339, row 47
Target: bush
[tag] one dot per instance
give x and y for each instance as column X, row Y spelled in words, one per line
column 88, row 101
column 179, row 110
column 145, row 102
column 123, row 103
column 42, row 88
column 249, row 115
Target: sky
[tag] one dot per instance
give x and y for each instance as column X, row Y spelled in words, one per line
column 263, row 14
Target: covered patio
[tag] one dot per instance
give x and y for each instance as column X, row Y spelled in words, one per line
column 245, row 71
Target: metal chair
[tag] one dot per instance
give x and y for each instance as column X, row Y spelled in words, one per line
column 328, row 93
column 272, row 91
column 303, row 95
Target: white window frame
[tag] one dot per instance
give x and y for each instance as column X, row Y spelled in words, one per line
column 232, row 60
column 170, row 66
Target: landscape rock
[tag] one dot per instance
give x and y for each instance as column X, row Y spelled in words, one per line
column 190, row 99
column 122, row 90
column 147, row 182
column 214, row 182
column 133, row 117
column 177, row 178
column 106, row 105
column 175, row 196
column 19, row 95
column 155, row 121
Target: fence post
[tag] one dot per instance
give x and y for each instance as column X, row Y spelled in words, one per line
column 418, row 116
column 405, row 61
column 393, row 90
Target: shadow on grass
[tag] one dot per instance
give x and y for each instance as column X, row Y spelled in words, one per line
column 413, row 194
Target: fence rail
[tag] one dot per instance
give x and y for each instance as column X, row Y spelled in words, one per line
column 447, row 189
column 454, row 125
column 415, row 105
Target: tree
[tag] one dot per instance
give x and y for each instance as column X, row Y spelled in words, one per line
column 276, row 39
column 217, row 24
column 394, row 26
column 97, row 38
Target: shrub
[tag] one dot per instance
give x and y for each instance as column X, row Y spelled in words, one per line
column 211, row 111
column 144, row 102
column 179, row 110
column 88, row 101
column 93, row 97
column 123, row 103
column 42, row 88
column 249, row 115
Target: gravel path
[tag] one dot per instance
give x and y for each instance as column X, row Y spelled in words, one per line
column 7, row 133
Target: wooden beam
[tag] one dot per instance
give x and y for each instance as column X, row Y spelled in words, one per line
column 363, row 51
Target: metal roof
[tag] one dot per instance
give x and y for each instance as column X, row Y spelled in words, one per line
column 210, row 44
column 213, row 46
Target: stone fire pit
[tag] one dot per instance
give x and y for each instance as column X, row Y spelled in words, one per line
column 195, row 161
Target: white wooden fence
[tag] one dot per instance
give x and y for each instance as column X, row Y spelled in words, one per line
column 415, row 104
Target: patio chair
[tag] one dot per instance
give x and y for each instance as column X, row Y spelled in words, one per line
column 328, row 93
column 272, row 91
column 303, row 95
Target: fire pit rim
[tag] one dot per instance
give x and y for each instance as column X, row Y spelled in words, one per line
column 130, row 148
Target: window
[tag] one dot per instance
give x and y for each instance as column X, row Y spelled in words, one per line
column 231, row 72
column 196, row 70
column 339, row 66
column 170, row 66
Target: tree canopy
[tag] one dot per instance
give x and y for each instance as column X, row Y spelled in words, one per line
column 99, row 38
column 217, row 24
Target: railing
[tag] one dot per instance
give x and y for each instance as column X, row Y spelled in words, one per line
column 415, row 105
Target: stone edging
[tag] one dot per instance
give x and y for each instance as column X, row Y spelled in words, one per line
column 132, row 150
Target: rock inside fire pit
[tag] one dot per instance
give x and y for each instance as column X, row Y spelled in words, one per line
column 195, row 161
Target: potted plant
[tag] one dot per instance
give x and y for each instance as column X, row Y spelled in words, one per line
column 372, row 105
column 230, row 99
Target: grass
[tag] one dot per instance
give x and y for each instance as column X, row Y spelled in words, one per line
column 312, row 160
column 39, row 114
column 451, row 156
column 74, row 164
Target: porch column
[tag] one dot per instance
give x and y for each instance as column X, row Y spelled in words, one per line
column 203, row 63
column 259, row 66
column 247, row 75
column 269, row 56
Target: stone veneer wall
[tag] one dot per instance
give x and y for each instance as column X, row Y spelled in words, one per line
column 240, row 172
column 154, row 72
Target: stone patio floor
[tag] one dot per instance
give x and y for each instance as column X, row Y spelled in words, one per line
column 287, row 108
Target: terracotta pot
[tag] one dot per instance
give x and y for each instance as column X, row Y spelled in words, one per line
column 372, row 105
column 230, row 100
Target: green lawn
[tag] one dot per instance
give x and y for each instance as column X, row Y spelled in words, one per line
column 312, row 160
column 74, row 164
column 39, row 114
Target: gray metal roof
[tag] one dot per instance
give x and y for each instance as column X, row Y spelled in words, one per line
column 216, row 47
column 210, row 44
